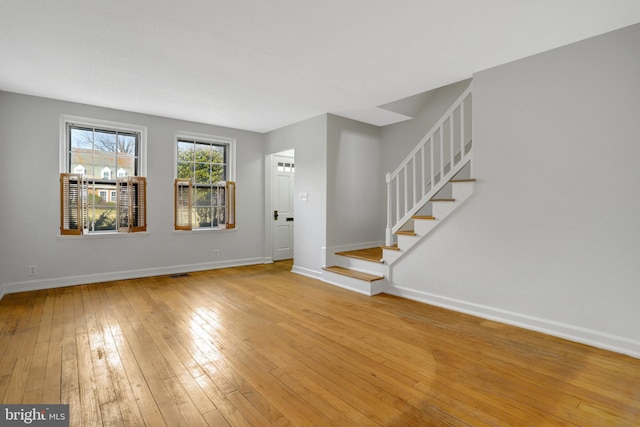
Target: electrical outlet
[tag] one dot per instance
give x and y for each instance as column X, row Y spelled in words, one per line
column 33, row 270
column 216, row 253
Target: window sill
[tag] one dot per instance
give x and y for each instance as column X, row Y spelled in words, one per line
column 109, row 235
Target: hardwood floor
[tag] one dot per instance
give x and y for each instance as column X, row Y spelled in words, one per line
column 261, row 346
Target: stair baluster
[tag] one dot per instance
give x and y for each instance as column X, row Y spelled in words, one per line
column 404, row 198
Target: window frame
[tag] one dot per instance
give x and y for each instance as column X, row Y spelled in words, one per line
column 77, row 121
column 230, row 148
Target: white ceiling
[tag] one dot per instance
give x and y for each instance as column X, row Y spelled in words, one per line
column 260, row 65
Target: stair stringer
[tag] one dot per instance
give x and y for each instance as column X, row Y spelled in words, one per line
column 460, row 191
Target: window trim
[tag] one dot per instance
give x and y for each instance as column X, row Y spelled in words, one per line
column 66, row 120
column 230, row 142
column 231, row 167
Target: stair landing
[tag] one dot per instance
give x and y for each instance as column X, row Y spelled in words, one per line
column 369, row 254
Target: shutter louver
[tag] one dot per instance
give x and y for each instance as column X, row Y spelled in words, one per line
column 131, row 210
column 230, row 204
column 138, row 205
column 122, row 204
column 182, row 204
column 72, row 201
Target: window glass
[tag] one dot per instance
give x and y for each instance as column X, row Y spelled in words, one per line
column 101, row 155
column 205, row 164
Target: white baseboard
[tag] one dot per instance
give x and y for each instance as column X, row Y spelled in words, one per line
column 578, row 334
column 314, row 274
column 40, row 284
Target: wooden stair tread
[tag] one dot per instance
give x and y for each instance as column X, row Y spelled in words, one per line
column 391, row 248
column 406, row 232
column 464, row 180
column 430, row 217
column 368, row 254
column 353, row 273
column 442, row 200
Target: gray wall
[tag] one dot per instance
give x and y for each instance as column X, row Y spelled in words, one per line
column 426, row 109
column 29, row 136
column 356, row 192
column 309, row 139
column 338, row 165
column 551, row 238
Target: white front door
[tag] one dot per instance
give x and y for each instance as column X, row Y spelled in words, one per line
column 282, row 205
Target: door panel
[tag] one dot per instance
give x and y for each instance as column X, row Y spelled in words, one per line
column 282, row 203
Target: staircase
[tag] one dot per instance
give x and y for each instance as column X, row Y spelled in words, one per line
column 429, row 184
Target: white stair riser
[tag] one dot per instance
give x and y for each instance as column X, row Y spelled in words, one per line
column 442, row 209
column 353, row 284
column 390, row 255
column 424, row 226
column 405, row 242
column 462, row 190
column 361, row 265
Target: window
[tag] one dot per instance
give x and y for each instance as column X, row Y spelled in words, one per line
column 204, row 191
column 91, row 151
column 286, row 167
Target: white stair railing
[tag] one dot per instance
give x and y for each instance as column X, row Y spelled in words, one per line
column 437, row 158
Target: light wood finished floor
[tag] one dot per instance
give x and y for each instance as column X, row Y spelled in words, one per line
column 261, row 346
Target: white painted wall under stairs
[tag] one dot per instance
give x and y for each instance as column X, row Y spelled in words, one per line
column 460, row 191
column 440, row 210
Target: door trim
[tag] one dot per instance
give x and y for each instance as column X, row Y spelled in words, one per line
column 269, row 164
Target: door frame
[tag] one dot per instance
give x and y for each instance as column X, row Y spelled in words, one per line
column 269, row 164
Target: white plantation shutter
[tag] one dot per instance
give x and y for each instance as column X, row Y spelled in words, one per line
column 73, row 200
column 131, row 204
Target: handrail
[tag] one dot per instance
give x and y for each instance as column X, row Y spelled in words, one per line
column 430, row 165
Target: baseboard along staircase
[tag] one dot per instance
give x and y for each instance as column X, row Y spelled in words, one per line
column 429, row 184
